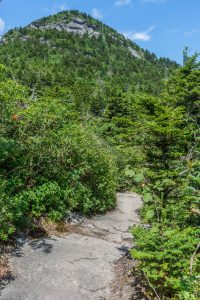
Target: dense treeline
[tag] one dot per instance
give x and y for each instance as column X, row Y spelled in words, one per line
column 158, row 146
column 80, row 117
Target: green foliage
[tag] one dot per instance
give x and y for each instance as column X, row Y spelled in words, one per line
column 80, row 69
column 50, row 162
column 172, row 189
column 156, row 141
column 165, row 254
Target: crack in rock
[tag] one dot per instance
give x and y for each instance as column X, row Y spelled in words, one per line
column 85, row 258
column 93, row 290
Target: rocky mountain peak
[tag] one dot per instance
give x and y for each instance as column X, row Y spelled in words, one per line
column 75, row 25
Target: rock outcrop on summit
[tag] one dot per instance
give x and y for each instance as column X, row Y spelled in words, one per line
column 76, row 25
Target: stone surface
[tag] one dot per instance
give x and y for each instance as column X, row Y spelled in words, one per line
column 134, row 52
column 76, row 26
column 74, row 218
column 79, row 266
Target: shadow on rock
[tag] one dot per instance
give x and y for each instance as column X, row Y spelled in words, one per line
column 124, row 249
column 138, row 289
column 5, row 280
column 45, row 245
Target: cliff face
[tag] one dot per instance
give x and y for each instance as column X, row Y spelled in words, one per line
column 76, row 26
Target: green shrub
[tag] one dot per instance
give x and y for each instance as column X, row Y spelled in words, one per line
column 164, row 255
column 171, row 191
column 50, row 163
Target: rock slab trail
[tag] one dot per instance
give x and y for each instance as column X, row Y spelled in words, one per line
column 77, row 266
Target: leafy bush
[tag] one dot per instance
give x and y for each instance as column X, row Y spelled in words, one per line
column 50, row 162
column 164, row 254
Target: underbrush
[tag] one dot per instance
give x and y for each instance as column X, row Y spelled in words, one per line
column 50, row 163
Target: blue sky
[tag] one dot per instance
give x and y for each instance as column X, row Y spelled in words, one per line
column 164, row 27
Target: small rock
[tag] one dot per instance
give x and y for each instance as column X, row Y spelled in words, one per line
column 90, row 226
column 79, row 21
column 146, row 226
column 134, row 52
column 74, row 218
column 127, row 236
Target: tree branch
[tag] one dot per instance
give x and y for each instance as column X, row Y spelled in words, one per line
column 193, row 256
column 151, row 286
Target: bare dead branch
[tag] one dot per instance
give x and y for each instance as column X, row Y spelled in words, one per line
column 192, row 258
column 151, row 286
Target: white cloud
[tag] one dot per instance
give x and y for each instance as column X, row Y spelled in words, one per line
column 181, row 31
column 57, row 7
column 97, row 13
column 191, row 32
column 122, row 2
column 140, row 36
column 174, row 30
column 2, row 24
column 153, row 1
column 62, row 6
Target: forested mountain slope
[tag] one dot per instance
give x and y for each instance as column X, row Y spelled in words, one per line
column 71, row 51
